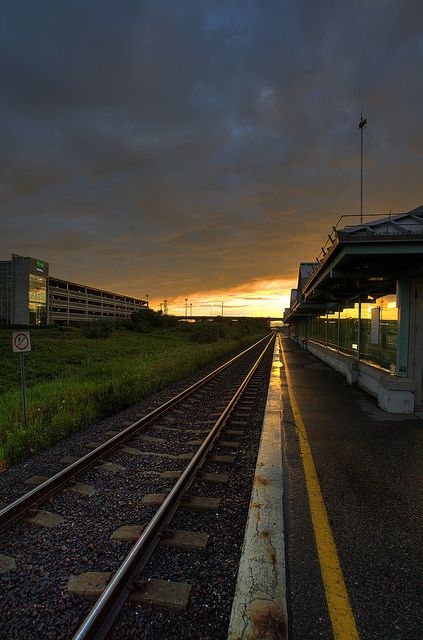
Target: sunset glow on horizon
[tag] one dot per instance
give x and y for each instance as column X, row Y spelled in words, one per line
column 202, row 150
column 259, row 298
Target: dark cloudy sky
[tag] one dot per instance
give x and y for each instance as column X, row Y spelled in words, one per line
column 198, row 148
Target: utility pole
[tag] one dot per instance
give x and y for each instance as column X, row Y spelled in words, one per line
column 190, row 309
column 361, row 125
column 186, row 307
column 222, row 308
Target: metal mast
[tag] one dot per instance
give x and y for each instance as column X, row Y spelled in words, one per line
column 361, row 125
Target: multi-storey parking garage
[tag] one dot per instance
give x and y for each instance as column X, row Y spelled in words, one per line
column 71, row 302
column 28, row 295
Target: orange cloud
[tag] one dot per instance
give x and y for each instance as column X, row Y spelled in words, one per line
column 256, row 297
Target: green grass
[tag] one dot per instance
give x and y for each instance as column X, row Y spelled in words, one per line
column 72, row 380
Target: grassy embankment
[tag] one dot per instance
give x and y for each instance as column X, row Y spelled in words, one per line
column 73, row 380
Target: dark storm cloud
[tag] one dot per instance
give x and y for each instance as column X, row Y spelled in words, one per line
column 179, row 146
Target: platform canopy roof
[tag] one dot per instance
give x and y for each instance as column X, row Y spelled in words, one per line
column 361, row 260
column 398, row 226
column 305, row 272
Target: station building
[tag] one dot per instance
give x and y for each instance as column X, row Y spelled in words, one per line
column 30, row 296
column 359, row 307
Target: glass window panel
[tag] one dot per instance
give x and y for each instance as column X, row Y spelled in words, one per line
column 317, row 328
column 332, row 329
column 388, row 330
column 348, row 328
column 37, row 300
column 37, row 289
column 313, row 328
column 37, row 313
column 322, row 328
column 379, row 331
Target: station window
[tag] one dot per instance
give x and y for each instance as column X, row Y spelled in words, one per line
column 366, row 329
column 37, row 299
column 348, row 327
column 332, row 322
column 379, row 331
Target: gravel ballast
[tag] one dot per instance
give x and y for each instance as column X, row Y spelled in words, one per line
column 35, row 602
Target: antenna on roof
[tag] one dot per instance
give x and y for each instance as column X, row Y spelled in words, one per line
column 361, row 125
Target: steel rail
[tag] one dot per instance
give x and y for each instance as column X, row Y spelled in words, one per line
column 17, row 509
column 105, row 611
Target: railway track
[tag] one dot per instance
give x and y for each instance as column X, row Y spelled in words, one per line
column 210, row 414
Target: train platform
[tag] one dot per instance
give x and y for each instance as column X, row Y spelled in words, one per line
column 348, row 505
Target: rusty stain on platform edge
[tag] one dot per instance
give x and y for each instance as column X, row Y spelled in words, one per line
column 259, row 610
column 267, row 621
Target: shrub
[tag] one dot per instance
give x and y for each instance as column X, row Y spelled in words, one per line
column 97, row 329
column 143, row 327
column 204, row 332
column 125, row 323
column 153, row 319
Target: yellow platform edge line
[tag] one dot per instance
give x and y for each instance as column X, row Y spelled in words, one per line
column 340, row 612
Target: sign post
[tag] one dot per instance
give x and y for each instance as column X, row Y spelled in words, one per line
column 21, row 343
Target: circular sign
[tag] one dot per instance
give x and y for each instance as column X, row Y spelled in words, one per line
column 21, row 341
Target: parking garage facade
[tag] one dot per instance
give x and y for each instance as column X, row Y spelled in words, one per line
column 30, row 296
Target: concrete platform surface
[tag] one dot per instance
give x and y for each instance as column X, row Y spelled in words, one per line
column 368, row 467
column 259, row 608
